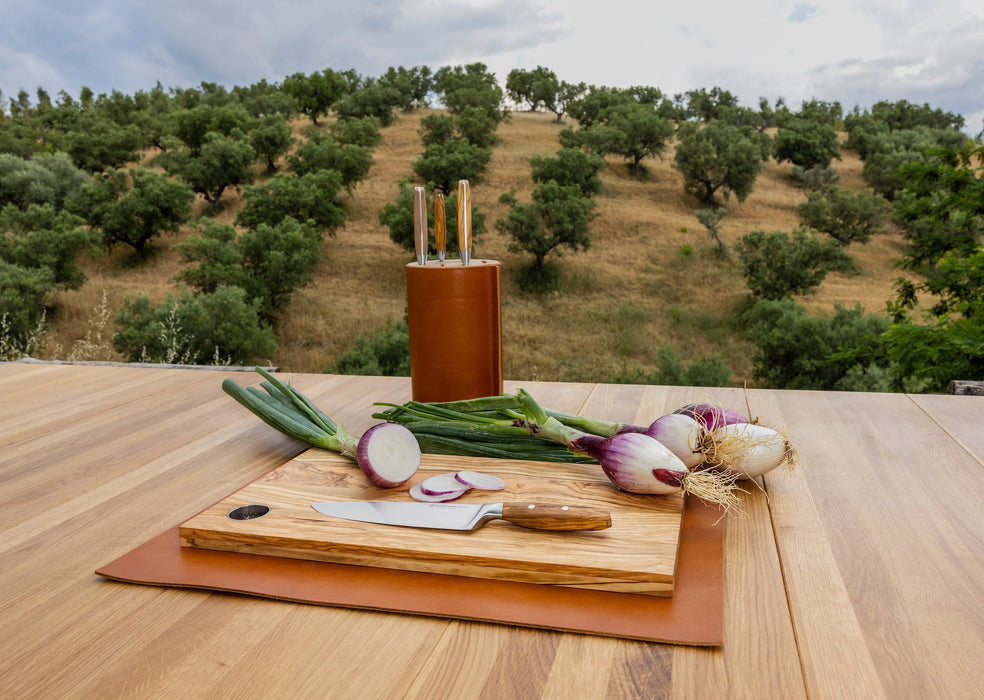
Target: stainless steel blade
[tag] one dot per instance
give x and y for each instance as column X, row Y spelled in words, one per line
column 439, row 516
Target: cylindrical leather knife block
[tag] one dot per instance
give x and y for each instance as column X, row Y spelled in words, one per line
column 454, row 314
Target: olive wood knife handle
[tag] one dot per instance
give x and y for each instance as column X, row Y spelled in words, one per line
column 440, row 224
column 540, row 516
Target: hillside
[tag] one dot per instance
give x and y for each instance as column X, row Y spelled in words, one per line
column 652, row 276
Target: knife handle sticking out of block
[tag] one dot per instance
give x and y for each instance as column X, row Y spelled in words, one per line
column 464, row 221
column 420, row 225
column 541, row 516
column 440, row 225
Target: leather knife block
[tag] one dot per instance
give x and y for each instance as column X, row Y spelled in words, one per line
column 454, row 315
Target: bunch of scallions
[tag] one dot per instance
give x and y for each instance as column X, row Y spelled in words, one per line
column 701, row 449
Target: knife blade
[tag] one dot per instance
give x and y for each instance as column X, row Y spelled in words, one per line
column 420, row 225
column 469, row 516
column 464, row 221
column 440, row 225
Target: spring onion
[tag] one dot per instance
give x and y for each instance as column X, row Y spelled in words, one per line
column 387, row 453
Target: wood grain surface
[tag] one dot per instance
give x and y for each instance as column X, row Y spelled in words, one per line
column 636, row 555
column 858, row 574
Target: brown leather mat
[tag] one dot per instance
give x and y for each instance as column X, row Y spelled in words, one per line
column 694, row 615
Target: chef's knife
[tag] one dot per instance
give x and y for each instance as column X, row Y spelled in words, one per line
column 440, row 225
column 464, row 221
column 468, row 516
column 420, row 225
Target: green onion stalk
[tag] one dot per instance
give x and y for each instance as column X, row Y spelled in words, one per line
column 631, row 459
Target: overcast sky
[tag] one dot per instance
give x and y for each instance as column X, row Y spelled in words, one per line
column 855, row 51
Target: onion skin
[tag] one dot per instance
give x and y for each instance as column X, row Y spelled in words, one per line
column 394, row 463
column 636, row 462
column 681, row 434
column 747, row 450
column 710, row 416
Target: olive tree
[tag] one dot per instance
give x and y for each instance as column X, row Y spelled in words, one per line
column 718, row 157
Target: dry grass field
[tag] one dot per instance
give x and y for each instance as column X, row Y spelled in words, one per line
column 652, row 276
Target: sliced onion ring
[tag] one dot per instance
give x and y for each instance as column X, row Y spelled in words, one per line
column 417, row 494
column 442, row 484
column 478, row 480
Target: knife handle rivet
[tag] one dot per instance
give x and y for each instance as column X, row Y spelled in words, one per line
column 565, row 508
column 531, row 506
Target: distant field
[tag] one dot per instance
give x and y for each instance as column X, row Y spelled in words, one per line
column 652, row 276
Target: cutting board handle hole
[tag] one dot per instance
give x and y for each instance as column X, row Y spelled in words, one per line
column 251, row 512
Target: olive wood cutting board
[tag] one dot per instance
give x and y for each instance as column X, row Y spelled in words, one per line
column 637, row 554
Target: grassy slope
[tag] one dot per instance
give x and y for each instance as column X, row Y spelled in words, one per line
column 633, row 291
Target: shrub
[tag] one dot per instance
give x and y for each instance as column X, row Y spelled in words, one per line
column 387, row 353
column 778, row 265
column 43, row 179
column 707, row 370
column 23, row 295
column 795, row 350
column 220, row 327
column 845, row 215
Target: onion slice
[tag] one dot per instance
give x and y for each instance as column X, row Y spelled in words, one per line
column 442, row 484
column 417, row 494
column 478, row 480
column 389, row 455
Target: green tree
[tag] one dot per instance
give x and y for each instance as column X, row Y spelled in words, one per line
column 846, row 215
column 40, row 236
column 41, row 179
column 195, row 126
column 271, row 138
column 376, row 99
column 357, row 131
column 807, row 143
column 218, row 327
column 559, row 217
column 313, row 197
column 535, row 88
column 940, row 205
column 888, row 152
column 442, row 165
column 315, row 94
column 707, row 370
column 708, row 105
column 778, row 265
column 461, row 87
column 133, row 207
column 413, row 85
column 96, row 143
column 222, row 163
column 320, row 151
column 398, row 218
column 269, row 262
column 264, row 99
column 570, row 166
column 718, row 157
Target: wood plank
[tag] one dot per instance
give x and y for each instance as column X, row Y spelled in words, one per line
column 960, row 417
column 883, row 509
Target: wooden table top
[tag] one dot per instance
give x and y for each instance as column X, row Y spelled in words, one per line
column 859, row 574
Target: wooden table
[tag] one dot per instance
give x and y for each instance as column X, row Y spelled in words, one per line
column 860, row 574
